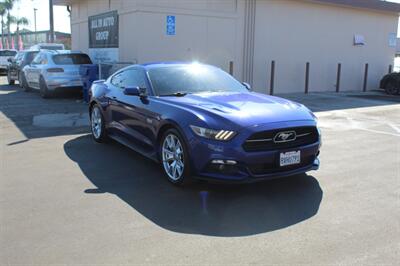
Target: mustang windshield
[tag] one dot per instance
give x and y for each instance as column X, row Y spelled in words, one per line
column 192, row 78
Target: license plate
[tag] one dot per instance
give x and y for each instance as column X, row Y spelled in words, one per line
column 289, row 158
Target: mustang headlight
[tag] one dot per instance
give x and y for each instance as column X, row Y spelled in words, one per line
column 223, row 135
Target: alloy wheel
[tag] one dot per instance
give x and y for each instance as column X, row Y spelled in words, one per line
column 96, row 122
column 173, row 157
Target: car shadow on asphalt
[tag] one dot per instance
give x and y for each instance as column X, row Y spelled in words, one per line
column 21, row 107
column 199, row 208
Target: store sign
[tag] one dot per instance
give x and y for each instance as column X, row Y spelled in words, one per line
column 103, row 30
column 103, row 37
column 170, row 25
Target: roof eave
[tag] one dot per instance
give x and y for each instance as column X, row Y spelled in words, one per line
column 373, row 5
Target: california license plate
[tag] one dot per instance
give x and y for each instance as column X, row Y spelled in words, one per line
column 289, row 158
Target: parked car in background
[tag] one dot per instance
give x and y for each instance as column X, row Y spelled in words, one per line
column 54, row 69
column 16, row 64
column 48, row 46
column 198, row 121
column 391, row 83
column 6, row 54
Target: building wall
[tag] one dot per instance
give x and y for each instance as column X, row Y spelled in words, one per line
column 287, row 31
column 295, row 32
column 206, row 30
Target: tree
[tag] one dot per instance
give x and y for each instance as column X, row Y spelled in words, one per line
column 2, row 14
column 9, row 4
column 23, row 21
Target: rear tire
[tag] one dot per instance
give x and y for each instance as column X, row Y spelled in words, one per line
column 97, row 125
column 174, row 158
column 392, row 87
column 44, row 91
column 9, row 80
column 19, row 80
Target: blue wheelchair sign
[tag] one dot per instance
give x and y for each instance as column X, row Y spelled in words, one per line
column 170, row 25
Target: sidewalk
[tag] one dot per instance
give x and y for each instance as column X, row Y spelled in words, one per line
column 327, row 101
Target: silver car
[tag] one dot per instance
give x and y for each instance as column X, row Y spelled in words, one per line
column 51, row 70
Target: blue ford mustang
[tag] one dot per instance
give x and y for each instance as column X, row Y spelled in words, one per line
column 197, row 121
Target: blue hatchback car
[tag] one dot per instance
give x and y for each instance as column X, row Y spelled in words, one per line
column 197, row 121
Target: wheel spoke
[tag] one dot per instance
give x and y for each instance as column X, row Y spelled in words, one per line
column 96, row 122
column 172, row 157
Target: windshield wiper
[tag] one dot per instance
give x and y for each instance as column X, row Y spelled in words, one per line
column 176, row 94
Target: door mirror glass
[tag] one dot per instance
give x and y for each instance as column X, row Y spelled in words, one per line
column 247, row 85
column 135, row 91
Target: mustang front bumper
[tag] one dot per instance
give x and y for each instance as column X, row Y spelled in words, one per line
column 228, row 161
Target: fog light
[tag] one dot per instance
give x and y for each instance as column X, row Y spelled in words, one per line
column 228, row 162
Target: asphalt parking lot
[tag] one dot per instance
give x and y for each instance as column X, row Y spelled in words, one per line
column 66, row 200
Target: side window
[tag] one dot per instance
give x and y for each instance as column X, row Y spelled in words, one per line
column 134, row 78
column 37, row 59
column 43, row 60
column 116, row 79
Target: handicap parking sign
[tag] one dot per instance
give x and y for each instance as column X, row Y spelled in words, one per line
column 170, row 25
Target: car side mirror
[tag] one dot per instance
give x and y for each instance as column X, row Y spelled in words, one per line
column 143, row 92
column 247, row 85
column 135, row 91
column 9, row 60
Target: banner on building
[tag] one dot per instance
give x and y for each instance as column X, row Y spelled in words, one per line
column 104, row 37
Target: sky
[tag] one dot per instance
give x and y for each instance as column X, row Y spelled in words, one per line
column 61, row 16
column 24, row 8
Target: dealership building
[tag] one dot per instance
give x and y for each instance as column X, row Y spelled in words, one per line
column 245, row 36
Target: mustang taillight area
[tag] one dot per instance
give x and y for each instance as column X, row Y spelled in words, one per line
column 222, row 135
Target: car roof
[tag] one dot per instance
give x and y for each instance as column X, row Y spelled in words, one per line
column 166, row 64
column 49, row 44
column 56, row 52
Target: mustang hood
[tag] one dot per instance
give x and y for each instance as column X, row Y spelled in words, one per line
column 243, row 109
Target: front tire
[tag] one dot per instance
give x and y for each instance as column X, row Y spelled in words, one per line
column 9, row 80
column 20, row 80
column 97, row 125
column 174, row 157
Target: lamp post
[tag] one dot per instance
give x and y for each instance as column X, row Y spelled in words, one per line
column 51, row 21
column 34, row 17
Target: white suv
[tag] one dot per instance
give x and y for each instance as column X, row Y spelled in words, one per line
column 48, row 46
column 4, row 56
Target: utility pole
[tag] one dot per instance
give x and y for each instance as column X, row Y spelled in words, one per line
column 51, row 21
column 34, row 15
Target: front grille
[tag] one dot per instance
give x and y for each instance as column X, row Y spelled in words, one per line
column 264, row 140
column 272, row 168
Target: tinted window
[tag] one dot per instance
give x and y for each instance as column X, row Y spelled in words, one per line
column 192, row 78
column 18, row 57
column 71, row 59
column 130, row 78
column 37, row 59
column 8, row 53
column 43, row 59
column 116, row 79
column 30, row 56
